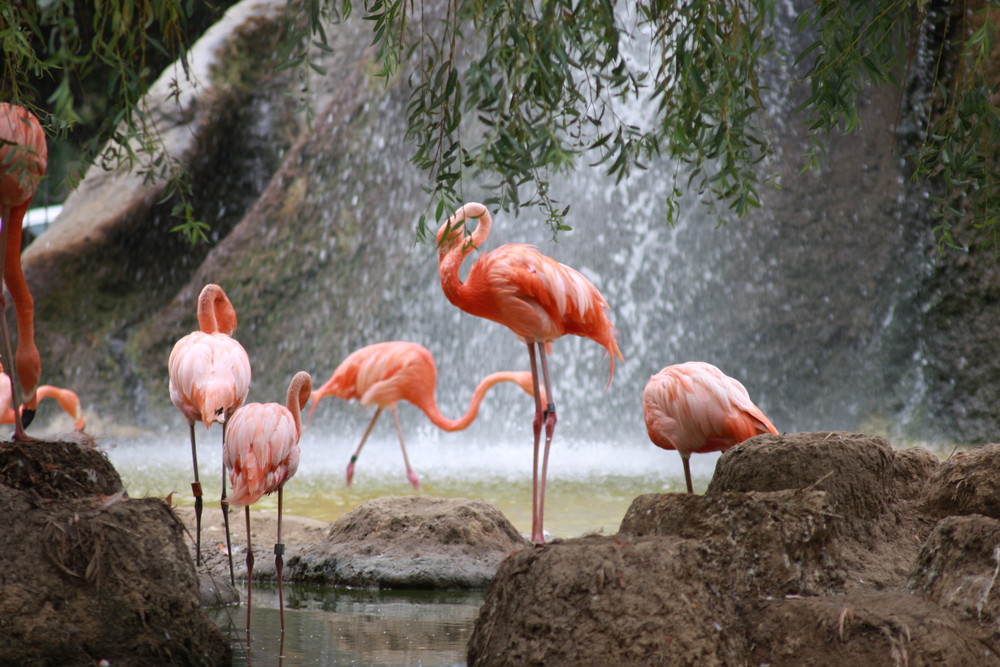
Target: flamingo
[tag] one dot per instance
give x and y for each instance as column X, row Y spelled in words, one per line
column 23, row 158
column 695, row 407
column 209, row 379
column 66, row 398
column 385, row 373
column 538, row 299
column 261, row 452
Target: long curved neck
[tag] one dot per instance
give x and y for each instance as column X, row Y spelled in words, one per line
column 299, row 390
column 67, row 399
column 455, row 248
column 215, row 311
column 431, row 409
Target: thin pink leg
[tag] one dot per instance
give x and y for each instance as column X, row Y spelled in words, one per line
column 550, row 428
column 279, row 566
column 410, row 475
column 357, row 452
column 536, row 530
column 249, row 569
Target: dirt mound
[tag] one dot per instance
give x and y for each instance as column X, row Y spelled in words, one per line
column 856, row 471
column 411, row 542
column 968, row 483
column 803, row 551
column 958, row 568
column 90, row 574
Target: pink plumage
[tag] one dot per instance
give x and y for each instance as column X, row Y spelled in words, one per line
column 538, row 299
column 696, row 408
column 261, row 452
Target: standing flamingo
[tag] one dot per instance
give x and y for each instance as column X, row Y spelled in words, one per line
column 538, row 299
column 23, row 158
column 385, row 373
column 261, row 451
column 66, row 398
column 695, row 407
column 209, row 379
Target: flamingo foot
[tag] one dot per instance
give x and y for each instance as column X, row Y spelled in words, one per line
column 350, row 472
column 414, row 480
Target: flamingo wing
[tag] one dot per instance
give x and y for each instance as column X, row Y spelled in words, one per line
column 261, row 451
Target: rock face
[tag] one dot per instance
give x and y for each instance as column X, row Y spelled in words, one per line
column 90, row 574
column 806, row 549
column 311, row 232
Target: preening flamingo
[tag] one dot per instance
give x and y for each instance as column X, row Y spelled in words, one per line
column 261, row 451
column 538, row 299
column 66, row 398
column 695, row 407
column 209, row 379
column 23, row 159
column 383, row 374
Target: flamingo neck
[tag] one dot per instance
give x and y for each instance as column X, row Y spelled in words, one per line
column 431, row 409
column 299, row 392
column 450, row 261
column 215, row 311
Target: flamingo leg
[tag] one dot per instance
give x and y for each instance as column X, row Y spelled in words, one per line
column 686, row 460
column 196, row 492
column 550, row 428
column 225, row 513
column 27, row 360
column 536, row 425
column 354, row 457
column 410, row 475
column 279, row 566
column 8, row 350
column 249, row 569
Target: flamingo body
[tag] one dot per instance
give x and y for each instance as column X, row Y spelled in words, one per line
column 261, row 451
column 23, row 159
column 209, row 375
column 382, row 374
column 696, row 408
column 538, row 299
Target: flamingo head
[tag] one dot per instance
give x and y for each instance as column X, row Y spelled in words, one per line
column 452, row 232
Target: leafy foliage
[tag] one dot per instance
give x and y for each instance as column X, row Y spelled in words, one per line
column 83, row 68
column 512, row 92
column 540, row 85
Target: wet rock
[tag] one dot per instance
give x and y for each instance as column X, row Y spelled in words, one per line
column 410, row 542
column 89, row 573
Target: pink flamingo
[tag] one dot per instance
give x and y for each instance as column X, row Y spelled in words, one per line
column 209, row 379
column 383, row 374
column 695, row 407
column 538, row 299
column 23, row 158
column 261, row 451
column 66, row 398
